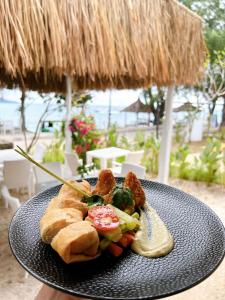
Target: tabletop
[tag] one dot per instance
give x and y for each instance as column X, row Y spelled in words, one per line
column 107, row 153
column 9, row 154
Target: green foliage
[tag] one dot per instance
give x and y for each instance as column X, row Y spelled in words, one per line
column 55, row 151
column 124, row 143
column 112, row 136
column 213, row 13
column 155, row 99
column 179, row 132
column 85, row 137
column 221, row 134
column 207, row 166
column 139, row 140
column 179, row 166
column 151, row 154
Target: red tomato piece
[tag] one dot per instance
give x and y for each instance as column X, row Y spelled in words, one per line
column 100, row 211
column 103, row 217
column 106, row 223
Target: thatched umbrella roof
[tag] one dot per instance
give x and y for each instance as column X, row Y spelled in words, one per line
column 99, row 44
column 187, row 106
column 137, row 107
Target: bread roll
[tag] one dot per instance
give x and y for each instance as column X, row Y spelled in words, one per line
column 77, row 242
column 56, row 219
column 64, row 202
column 67, row 192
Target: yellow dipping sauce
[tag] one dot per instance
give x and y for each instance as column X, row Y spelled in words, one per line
column 161, row 241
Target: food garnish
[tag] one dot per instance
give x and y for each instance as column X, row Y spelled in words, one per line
column 122, row 198
column 72, row 186
column 93, row 200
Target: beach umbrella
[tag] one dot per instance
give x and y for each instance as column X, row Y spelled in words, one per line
column 186, row 107
column 60, row 45
column 137, row 107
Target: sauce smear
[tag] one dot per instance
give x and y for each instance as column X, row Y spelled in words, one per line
column 161, row 241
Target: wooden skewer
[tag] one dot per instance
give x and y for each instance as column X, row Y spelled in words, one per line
column 28, row 157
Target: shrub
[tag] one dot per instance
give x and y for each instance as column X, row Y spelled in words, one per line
column 55, row 151
column 207, row 166
column 139, row 140
column 85, row 137
column 151, row 154
column 112, row 137
column 179, row 166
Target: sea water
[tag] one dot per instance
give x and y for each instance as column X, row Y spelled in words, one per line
column 33, row 112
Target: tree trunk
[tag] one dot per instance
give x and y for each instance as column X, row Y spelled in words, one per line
column 223, row 114
column 23, row 118
column 157, row 121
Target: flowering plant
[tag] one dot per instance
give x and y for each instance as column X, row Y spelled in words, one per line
column 85, row 137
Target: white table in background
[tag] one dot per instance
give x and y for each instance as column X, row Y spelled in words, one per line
column 106, row 154
column 9, row 154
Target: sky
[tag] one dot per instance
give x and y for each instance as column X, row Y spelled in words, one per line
column 118, row 97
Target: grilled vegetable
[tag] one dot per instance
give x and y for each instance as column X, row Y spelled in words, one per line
column 123, row 198
column 127, row 222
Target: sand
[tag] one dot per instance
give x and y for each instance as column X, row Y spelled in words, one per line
column 15, row 286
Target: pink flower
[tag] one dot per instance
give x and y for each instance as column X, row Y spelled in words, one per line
column 79, row 149
column 88, row 147
column 96, row 141
column 71, row 128
column 84, row 131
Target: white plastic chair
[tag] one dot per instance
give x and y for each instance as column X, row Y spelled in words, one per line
column 39, row 152
column 138, row 170
column 42, row 179
column 132, row 158
column 73, row 162
column 17, row 174
column 9, row 200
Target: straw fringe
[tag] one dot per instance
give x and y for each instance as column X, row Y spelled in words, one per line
column 99, row 43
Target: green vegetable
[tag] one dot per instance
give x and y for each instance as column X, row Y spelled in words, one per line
column 122, row 198
column 104, row 244
column 112, row 235
column 93, row 200
column 135, row 215
column 127, row 222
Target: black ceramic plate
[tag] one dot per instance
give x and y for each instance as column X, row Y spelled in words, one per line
column 199, row 248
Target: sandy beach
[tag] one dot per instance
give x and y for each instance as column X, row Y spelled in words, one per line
column 14, row 285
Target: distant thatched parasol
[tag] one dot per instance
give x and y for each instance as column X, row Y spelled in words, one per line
column 99, row 44
column 137, row 107
column 187, row 106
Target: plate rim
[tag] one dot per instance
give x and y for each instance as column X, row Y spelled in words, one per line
column 83, row 295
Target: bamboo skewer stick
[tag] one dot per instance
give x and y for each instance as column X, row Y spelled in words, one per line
column 28, row 157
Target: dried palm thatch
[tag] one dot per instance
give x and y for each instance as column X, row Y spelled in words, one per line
column 99, row 43
column 137, row 107
column 187, row 106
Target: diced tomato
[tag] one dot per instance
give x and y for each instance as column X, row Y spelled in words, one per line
column 126, row 240
column 100, row 211
column 114, row 249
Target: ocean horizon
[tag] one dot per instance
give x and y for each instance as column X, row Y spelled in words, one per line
column 33, row 112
